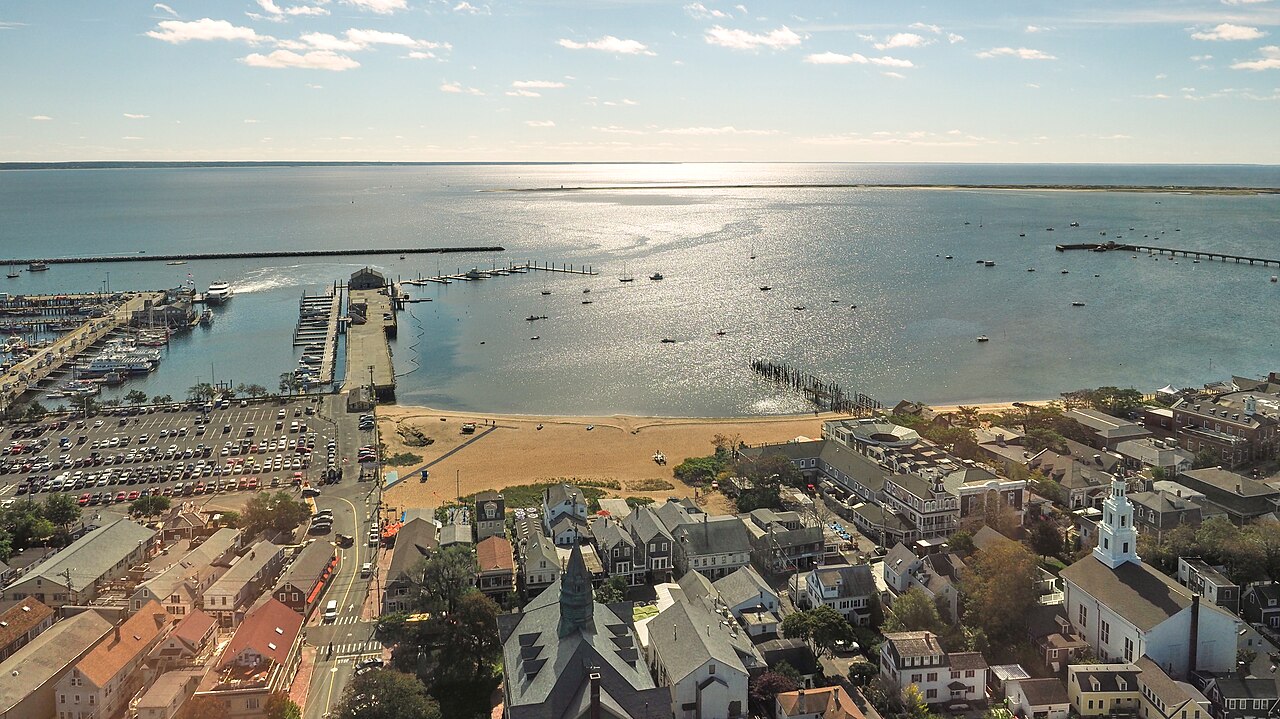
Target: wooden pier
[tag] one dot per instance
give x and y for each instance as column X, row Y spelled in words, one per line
column 825, row 396
column 1171, row 251
column 372, row 324
column 27, row 374
column 475, row 274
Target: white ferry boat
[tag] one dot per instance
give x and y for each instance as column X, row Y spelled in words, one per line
column 218, row 293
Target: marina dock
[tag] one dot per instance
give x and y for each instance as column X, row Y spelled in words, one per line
column 187, row 256
column 514, row 268
column 319, row 320
column 372, row 324
column 1171, row 251
column 26, row 375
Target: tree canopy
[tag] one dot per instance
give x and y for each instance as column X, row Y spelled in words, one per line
column 914, row 611
column 1000, row 587
column 444, row 578
column 274, row 511
column 386, row 694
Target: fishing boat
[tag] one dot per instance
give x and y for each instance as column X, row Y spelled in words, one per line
column 531, row 318
column 586, row 290
column 668, row 341
column 206, row 318
column 586, row 302
column 37, row 267
column 112, row 378
column 546, row 292
column 721, row 333
column 656, row 276
column 983, row 338
column 177, row 262
column 1077, row 304
column 989, row 263
column 765, row 288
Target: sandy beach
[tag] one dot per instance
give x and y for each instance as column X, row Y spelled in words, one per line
column 508, row 450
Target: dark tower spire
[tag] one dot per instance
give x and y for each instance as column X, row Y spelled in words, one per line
column 577, row 607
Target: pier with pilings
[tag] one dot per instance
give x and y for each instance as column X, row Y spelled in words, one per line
column 1170, row 251
column 514, row 268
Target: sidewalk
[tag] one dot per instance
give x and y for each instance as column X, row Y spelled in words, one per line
column 302, row 680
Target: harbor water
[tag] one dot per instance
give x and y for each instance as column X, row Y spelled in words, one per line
column 861, row 292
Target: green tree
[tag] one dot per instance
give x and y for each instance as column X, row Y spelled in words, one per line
column 162, row 399
column 914, row 705
column 386, row 694
column 1047, row 487
column 699, row 470
column 35, row 411
column 253, row 390
column 274, row 511
column 61, row 510
column 149, row 506
column 280, row 706
column 6, row 544
column 1204, row 459
column 1046, row 538
column 1000, row 586
column 136, row 396
column 828, row 627
column 470, row 643
column 767, row 686
column 232, row 519
column 200, row 392
column 612, row 591
column 861, row 672
column 796, row 626
column 914, row 611
column 444, row 578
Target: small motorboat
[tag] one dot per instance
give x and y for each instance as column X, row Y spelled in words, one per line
column 1066, row 272
column 668, row 341
column 979, row 262
column 1077, row 224
column 535, row 337
column 798, row 308
column 1022, row 234
column 765, row 288
column 1274, row 278
column 1031, row 269
column 989, row 263
column 586, row 290
column 531, row 318
column 586, row 302
column 1077, row 304
column 546, row 292
column 834, row 301
column 983, row 338
column 947, row 257
column 656, row 276
column 722, row 333
column 1048, row 229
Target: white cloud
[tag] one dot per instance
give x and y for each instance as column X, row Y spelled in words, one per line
column 421, row 55
column 1201, row 58
column 133, row 116
column 458, row 89
column 177, row 32
column 1037, row 28
column 935, row 29
column 470, row 9
column 706, row 131
column 702, row 12
column 165, row 9
column 355, row 39
column 902, row 39
column 131, row 137
column 1270, row 60
column 1227, row 31
column 250, row 121
column 314, row 86
column 538, row 84
column 382, row 7
column 1157, row 96
column 954, row 38
column 1022, row 53
column 1115, row 137
column 1243, row 2
column 381, row 37
column 540, row 123
column 894, row 75
column 609, row 43
column 41, row 118
column 628, row 101
column 853, row 58
column 614, row 129
column 306, row 10
column 779, row 39
column 523, row 93
column 324, row 41
column 313, row 60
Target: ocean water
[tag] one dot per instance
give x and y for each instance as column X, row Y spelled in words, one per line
column 1145, row 323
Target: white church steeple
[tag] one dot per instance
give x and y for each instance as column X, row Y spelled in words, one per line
column 1117, row 538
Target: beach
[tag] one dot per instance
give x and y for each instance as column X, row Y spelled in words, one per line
column 510, row 449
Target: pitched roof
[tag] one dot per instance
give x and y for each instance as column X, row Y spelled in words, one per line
column 137, row 634
column 901, row 558
column 967, row 660
column 1068, row 471
column 1234, row 686
column 90, row 557
column 268, row 629
column 247, row 566
column 493, row 554
column 1041, row 692
column 609, row 532
column 914, row 644
column 1163, row 502
column 743, row 585
column 1106, row 425
column 827, row 702
column 193, row 627
column 21, row 618
column 713, row 535
column 854, row 580
column 415, row 540
column 540, row 547
column 1230, row 483
column 454, row 534
column 1107, row 676
column 305, row 569
column 1172, row 693
column 557, row 493
column 615, row 507
column 48, row 655
column 645, row 524
column 1139, row 594
column 197, row 559
column 684, row 636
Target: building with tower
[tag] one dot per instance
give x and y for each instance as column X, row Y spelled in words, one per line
column 1126, row 610
column 491, row 513
column 568, row 657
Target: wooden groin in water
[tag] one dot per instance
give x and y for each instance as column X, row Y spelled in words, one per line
column 185, row 256
column 825, row 396
column 1171, row 251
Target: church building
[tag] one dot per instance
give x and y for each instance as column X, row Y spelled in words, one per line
column 1127, row 610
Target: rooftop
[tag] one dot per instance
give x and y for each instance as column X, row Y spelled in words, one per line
column 1141, row 595
column 135, row 635
column 1042, row 692
column 827, row 702
column 90, row 557
column 21, row 618
column 914, row 644
column 48, row 655
column 494, row 555
column 269, row 629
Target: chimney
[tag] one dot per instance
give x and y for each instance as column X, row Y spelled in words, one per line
column 594, row 712
column 117, row 631
column 1195, row 633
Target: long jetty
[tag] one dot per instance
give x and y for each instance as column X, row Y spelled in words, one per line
column 513, row 268
column 185, row 256
column 826, row 396
column 1171, row 251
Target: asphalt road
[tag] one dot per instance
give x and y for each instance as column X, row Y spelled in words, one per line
column 355, row 511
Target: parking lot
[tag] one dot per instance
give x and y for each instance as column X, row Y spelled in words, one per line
column 177, row 450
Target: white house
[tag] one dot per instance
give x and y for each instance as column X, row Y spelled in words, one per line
column 917, row 658
column 101, row 683
column 1126, row 610
column 847, row 588
column 560, row 500
column 1039, row 699
column 696, row 659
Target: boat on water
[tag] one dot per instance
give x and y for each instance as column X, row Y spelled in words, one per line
column 586, row 302
column 546, row 292
column 586, row 290
column 112, row 378
column 177, row 262
column 656, row 276
column 12, row 272
column 668, row 341
column 1066, row 272
column 1077, row 304
column 1077, row 224
column 765, row 288
column 989, row 263
column 626, row 276
column 206, row 318
column 983, row 338
column 721, row 333
column 37, row 267
column 531, row 318
column 219, row 292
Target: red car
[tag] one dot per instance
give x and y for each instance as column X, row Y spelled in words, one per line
column 133, row 495
column 253, row 483
column 120, row 496
column 84, row 499
column 244, row 483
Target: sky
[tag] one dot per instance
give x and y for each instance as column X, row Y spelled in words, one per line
column 1167, row 81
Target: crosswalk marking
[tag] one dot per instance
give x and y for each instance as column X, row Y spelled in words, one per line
column 357, row 649
column 348, row 619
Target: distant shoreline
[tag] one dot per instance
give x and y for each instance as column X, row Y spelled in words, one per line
column 1160, row 189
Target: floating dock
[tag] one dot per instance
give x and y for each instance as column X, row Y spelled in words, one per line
column 372, row 324
column 1171, row 251
column 27, row 374
column 319, row 319
column 142, row 257
column 475, row 273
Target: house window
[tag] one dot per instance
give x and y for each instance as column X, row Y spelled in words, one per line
column 932, row 677
column 1104, row 633
column 1128, row 649
column 1084, row 615
column 711, row 669
column 931, row 694
column 968, row 674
